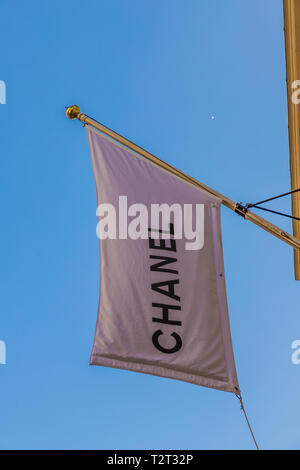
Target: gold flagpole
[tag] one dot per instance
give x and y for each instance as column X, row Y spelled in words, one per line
column 291, row 9
column 73, row 112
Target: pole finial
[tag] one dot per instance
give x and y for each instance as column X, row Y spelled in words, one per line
column 72, row 111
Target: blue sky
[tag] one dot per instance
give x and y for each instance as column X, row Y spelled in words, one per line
column 155, row 72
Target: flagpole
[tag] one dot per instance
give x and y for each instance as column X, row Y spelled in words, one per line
column 73, row 112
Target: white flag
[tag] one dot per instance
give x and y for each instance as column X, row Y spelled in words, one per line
column 163, row 307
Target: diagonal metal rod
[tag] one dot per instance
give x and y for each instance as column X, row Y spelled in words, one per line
column 275, row 212
column 73, row 112
column 272, row 198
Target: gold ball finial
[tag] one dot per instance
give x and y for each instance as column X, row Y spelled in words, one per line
column 72, row 111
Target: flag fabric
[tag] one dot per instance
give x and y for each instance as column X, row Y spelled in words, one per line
column 162, row 307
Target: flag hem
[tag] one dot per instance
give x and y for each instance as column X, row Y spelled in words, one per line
column 99, row 360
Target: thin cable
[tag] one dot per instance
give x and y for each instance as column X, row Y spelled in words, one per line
column 272, row 198
column 275, row 212
column 250, row 429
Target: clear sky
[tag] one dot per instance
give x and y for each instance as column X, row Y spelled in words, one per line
column 157, row 72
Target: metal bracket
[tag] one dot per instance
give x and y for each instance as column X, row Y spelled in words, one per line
column 240, row 209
